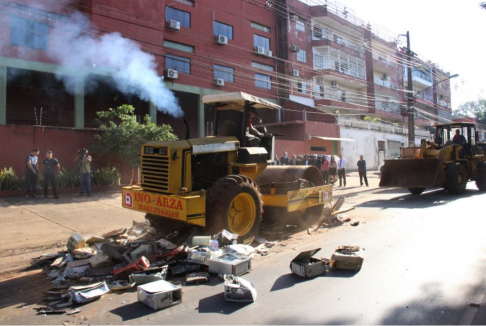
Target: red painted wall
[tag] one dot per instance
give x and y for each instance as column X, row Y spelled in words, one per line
column 18, row 141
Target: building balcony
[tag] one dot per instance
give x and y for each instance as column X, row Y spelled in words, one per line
column 332, row 100
column 386, row 83
column 444, row 104
column 388, row 106
column 420, row 79
column 325, row 36
column 329, row 58
column 383, row 62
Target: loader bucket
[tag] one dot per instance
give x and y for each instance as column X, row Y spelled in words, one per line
column 413, row 173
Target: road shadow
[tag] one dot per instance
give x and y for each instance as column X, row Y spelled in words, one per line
column 132, row 311
column 23, row 290
column 217, row 304
column 429, row 198
column 287, row 281
column 341, row 273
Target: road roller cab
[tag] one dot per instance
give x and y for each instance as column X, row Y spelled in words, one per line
column 225, row 181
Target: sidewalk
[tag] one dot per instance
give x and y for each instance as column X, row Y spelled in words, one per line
column 32, row 226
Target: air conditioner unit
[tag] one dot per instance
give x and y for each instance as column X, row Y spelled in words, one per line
column 294, row 48
column 219, row 82
column 320, row 80
column 171, row 73
column 221, row 39
column 293, row 17
column 267, row 53
column 334, row 83
column 295, row 73
column 260, row 50
column 174, row 25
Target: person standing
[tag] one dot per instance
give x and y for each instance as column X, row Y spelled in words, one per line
column 362, row 171
column 31, row 173
column 285, row 159
column 51, row 168
column 332, row 169
column 293, row 161
column 325, row 169
column 85, row 172
column 275, row 160
column 342, row 171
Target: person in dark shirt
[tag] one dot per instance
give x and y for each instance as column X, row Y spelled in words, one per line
column 51, row 168
column 362, row 171
column 459, row 139
column 285, row 159
column 31, row 173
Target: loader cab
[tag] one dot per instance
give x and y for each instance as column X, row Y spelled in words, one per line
column 446, row 133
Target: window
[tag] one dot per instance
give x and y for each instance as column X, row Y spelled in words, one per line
column 318, row 149
column 260, row 27
column 182, row 17
column 28, row 33
column 225, row 73
column 261, row 66
column 301, row 56
column 300, row 26
column 182, row 65
column 381, row 145
column 317, row 31
column 263, row 81
column 223, row 29
column 178, row 46
column 302, row 87
column 319, row 90
column 261, row 41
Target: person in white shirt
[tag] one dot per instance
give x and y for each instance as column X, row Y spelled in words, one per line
column 342, row 170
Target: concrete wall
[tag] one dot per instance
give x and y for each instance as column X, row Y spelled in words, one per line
column 366, row 144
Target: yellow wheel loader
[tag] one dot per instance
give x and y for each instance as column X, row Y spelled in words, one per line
column 454, row 157
column 225, row 181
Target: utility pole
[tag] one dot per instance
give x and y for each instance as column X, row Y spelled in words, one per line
column 411, row 122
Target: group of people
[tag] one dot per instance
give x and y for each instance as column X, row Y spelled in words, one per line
column 329, row 168
column 50, row 168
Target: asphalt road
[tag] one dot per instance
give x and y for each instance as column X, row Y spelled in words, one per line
column 424, row 263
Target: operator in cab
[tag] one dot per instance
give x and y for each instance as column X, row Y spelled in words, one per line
column 253, row 135
column 459, row 139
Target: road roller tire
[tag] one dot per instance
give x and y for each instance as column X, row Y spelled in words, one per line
column 481, row 178
column 234, row 203
column 311, row 216
column 416, row 191
column 455, row 179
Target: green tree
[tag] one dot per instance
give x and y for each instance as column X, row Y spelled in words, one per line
column 473, row 109
column 123, row 136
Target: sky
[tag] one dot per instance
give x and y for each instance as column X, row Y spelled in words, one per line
column 449, row 33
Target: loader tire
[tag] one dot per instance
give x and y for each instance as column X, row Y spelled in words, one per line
column 416, row 191
column 455, row 179
column 481, row 178
column 234, row 203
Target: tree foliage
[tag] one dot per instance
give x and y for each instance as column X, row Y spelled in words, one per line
column 124, row 136
column 483, row 5
column 473, row 109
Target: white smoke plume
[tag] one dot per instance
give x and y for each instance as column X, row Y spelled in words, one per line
column 76, row 45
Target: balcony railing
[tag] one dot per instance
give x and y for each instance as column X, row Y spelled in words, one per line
column 388, row 106
column 444, row 104
column 331, row 58
column 384, row 59
column 336, row 94
column 425, row 97
column 324, row 33
column 387, row 83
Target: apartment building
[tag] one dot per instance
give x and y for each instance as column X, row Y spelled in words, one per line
column 324, row 66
